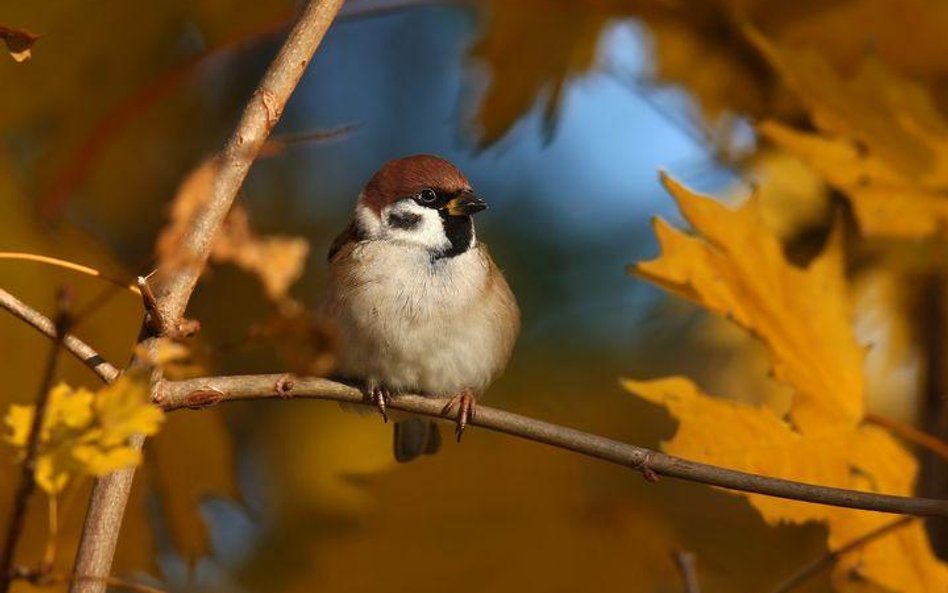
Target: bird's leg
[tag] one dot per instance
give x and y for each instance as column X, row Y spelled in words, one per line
column 379, row 395
column 467, row 410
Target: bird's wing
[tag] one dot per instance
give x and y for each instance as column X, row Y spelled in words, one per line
column 351, row 234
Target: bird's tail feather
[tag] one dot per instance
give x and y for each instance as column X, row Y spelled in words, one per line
column 414, row 437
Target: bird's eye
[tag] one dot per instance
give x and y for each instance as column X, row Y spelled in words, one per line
column 427, row 196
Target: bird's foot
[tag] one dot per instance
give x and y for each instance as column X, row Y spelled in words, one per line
column 381, row 396
column 467, row 410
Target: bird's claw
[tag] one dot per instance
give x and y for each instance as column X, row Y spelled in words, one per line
column 467, row 411
column 381, row 397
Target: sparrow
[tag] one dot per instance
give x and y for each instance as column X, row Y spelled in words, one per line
column 419, row 303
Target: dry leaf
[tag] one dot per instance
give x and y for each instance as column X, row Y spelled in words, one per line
column 735, row 267
column 19, row 42
column 276, row 261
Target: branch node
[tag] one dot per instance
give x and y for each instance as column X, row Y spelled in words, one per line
column 155, row 320
column 644, row 465
column 284, row 386
column 271, row 105
column 203, row 398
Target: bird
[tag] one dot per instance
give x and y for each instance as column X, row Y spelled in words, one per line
column 418, row 302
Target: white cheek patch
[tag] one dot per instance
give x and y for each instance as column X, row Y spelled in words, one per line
column 407, row 222
column 368, row 222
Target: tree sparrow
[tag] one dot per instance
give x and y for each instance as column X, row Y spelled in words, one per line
column 420, row 304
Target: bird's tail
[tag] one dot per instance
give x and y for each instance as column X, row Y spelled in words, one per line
column 414, row 437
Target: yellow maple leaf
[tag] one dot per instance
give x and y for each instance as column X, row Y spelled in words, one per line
column 736, row 268
column 740, row 272
column 860, row 457
column 885, row 201
column 881, row 141
column 123, row 409
column 84, row 432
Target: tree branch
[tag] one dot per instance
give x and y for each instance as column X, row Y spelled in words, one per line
column 203, row 392
column 71, row 343
column 174, row 285
column 262, row 112
column 685, row 563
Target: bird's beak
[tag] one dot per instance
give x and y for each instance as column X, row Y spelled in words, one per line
column 465, row 205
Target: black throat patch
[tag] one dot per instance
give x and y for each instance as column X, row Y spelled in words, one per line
column 459, row 230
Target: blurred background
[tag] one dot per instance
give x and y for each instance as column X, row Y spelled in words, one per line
column 561, row 114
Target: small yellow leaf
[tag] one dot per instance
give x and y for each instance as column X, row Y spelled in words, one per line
column 124, row 409
column 69, row 408
column 19, row 419
column 84, row 432
column 54, row 468
column 97, row 462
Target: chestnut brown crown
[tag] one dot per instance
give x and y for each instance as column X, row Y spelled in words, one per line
column 405, row 177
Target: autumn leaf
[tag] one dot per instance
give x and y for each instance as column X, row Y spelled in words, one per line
column 886, row 203
column 532, row 49
column 740, row 272
column 86, row 433
column 735, row 266
column 19, row 42
column 750, row 438
column 276, row 261
column 881, row 141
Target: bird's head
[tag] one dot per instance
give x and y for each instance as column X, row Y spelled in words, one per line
column 420, row 200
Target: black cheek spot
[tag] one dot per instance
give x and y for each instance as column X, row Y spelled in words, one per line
column 403, row 220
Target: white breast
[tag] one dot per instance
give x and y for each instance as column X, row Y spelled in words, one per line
column 420, row 326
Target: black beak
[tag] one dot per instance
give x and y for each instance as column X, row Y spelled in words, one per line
column 465, row 205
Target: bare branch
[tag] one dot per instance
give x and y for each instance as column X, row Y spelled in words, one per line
column 27, row 479
column 263, row 111
column 203, row 392
column 173, row 286
column 71, row 343
column 685, row 562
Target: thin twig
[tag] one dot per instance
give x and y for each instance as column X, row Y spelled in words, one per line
column 66, row 265
column 202, row 392
column 827, row 560
column 174, row 284
column 262, row 112
column 685, row 562
column 27, row 479
column 71, row 343
column 911, row 434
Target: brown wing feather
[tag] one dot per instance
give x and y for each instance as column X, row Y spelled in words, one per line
column 351, row 234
